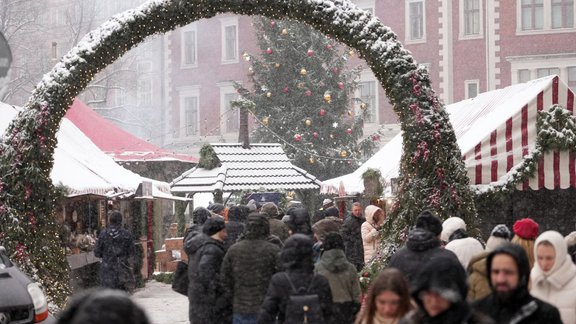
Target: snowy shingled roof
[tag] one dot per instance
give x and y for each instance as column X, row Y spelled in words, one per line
column 494, row 131
column 114, row 141
column 262, row 166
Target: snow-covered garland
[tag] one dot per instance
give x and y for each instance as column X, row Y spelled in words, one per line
column 27, row 195
column 556, row 130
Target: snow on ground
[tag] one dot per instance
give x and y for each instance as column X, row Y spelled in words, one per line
column 161, row 303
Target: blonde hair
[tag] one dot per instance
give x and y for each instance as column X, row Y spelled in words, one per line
column 527, row 245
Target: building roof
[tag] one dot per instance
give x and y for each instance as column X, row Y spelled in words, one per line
column 116, row 142
column 262, row 166
column 495, row 131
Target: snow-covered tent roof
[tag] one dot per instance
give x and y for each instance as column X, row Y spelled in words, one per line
column 263, row 165
column 82, row 167
column 495, row 131
column 116, row 142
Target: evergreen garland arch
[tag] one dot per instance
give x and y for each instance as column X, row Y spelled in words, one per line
column 432, row 171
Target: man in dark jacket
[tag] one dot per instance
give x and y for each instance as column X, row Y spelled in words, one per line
column 199, row 217
column 277, row 227
column 299, row 221
column 510, row 301
column 235, row 227
column 352, row 236
column 207, row 301
column 115, row 246
column 247, row 268
column 422, row 245
column 440, row 292
column 296, row 258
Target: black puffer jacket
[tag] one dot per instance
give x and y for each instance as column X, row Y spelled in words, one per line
column 115, row 246
column 208, row 302
column 352, row 236
column 421, row 246
column 520, row 307
column 296, row 257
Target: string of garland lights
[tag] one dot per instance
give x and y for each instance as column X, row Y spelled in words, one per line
column 27, row 196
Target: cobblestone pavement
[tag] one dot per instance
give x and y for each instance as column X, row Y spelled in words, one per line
column 161, row 303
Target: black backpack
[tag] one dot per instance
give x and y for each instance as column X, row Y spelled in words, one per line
column 302, row 306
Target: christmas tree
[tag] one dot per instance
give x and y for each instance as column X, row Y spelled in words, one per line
column 303, row 95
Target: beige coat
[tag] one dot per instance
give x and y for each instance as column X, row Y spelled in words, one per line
column 478, row 285
column 370, row 234
column 557, row 286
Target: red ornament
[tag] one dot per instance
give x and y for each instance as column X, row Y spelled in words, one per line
column 268, row 50
column 329, row 46
column 308, row 93
column 315, row 134
column 349, row 131
column 341, row 85
column 273, row 23
column 366, row 274
column 322, row 112
column 375, row 138
column 297, row 137
column 286, row 89
column 310, row 52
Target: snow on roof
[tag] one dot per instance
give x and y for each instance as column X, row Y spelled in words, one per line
column 473, row 120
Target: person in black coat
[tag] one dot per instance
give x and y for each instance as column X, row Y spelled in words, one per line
column 422, row 245
column 247, row 268
column 299, row 221
column 115, row 246
column 235, row 227
column 296, row 258
column 352, row 236
column 199, row 217
column 440, row 291
column 207, row 300
column 508, row 272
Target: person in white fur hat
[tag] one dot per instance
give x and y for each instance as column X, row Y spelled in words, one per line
column 449, row 226
column 553, row 276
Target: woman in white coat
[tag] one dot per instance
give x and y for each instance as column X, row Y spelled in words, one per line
column 369, row 229
column 553, row 276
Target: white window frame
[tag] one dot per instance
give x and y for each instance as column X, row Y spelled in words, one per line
column 467, row 83
column 462, row 22
column 367, row 5
column 368, row 76
column 144, row 91
column 547, row 21
column 535, row 62
column 226, row 88
column 224, row 23
column 183, row 93
column 408, row 29
column 192, row 28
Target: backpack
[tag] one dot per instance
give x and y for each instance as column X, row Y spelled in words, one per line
column 302, row 306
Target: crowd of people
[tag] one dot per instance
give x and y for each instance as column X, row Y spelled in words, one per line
column 255, row 264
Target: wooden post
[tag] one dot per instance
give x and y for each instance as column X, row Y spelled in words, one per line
column 150, row 232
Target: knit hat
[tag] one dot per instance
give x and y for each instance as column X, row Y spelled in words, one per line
column 502, row 231
column 216, row 208
column 450, row 225
column 333, row 240
column 332, row 211
column 526, row 228
column 426, row 220
column 213, row 225
column 270, row 209
column 326, row 202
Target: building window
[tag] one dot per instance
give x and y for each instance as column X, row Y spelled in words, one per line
column 190, row 117
column 523, row 75
column 144, row 92
column 572, row 78
column 116, row 97
column 189, row 46
column 540, row 73
column 230, row 39
column 415, row 20
column 368, row 96
column 232, row 115
column 471, row 88
column 532, row 14
column 562, row 13
column 472, row 17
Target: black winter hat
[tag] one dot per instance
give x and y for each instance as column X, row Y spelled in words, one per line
column 297, row 253
column 216, row 208
column 332, row 211
column 257, row 227
column 426, row 220
column 502, row 231
column 333, row 240
column 443, row 275
column 213, row 225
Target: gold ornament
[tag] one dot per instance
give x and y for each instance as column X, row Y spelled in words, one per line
column 363, row 106
column 328, row 98
column 265, row 121
column 312, row 160
column 331, row 135
column 269, row 94
column 350, row 113
column 277, row 65
column 301, row 85
column 303, row 71
column 284, row 31
column 308, row 122
column 250, row 71
column 343, row 153
column 351, row 53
